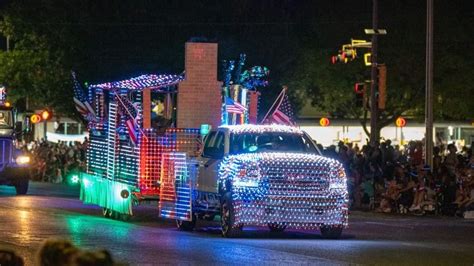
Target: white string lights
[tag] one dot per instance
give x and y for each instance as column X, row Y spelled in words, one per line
column 292, row 189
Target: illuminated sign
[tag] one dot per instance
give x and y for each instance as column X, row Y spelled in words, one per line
column 400, row 122
column 35, row 119
column 324, row 122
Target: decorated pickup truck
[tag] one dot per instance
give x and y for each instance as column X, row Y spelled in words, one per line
column 268, row 175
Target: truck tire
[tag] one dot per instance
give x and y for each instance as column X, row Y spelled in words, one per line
column 229, row 228
column 21, row 187
column 186, row 225
column 276, row 228
column 331, row 232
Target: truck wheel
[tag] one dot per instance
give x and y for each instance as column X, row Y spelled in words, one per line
column 229, row 228
column 331, row 232
column 186, row 225
column 107, row 213
column 276, row 228
column 21, row 187
column 125, row 217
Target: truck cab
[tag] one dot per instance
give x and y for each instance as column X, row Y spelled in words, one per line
column 14, row 163
column 269, row 175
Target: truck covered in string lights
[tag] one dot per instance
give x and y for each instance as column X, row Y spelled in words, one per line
column 185, row 141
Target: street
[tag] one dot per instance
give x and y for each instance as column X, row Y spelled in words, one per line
column 54, row 211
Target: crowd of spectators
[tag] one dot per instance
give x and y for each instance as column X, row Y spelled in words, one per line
column 54, row 162
column 385, row 178
column 389, row 178
column 59, row 252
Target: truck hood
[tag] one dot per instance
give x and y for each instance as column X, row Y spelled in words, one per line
column 291, row 165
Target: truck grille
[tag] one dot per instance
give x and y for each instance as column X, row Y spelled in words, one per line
column 297, row 182
column 5, row 152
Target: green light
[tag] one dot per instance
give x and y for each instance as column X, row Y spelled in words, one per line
column 106, row 193
column 74, row 179
column 205, row 128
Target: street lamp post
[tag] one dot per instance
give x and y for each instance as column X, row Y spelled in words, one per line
column 429, row 85
column 373, row 85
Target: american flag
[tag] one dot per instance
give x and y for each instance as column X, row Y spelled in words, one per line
column 282, row 112
column 80, row 100
column 234, row 107
column 132, row 130
column 131, row 112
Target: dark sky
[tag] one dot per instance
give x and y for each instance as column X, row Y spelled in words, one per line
column 118, row 38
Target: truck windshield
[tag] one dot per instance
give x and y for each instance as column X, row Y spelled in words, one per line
column 6, row 120
column 270, row 142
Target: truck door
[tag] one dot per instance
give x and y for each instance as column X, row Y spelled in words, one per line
column 214, row 149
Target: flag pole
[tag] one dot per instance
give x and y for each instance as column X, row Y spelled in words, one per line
column 278, row 99
column 126, row 109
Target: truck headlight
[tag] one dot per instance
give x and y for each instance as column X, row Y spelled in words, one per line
column 22, row 159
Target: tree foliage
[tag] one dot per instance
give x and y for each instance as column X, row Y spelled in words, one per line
column 330, row 88
column 110, row 40
column 35, row 68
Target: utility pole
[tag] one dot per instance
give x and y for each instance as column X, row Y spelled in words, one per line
column 429, row 85
column 373, row 85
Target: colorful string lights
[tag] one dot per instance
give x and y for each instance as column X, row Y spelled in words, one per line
column 259, row 129
column 144, row 81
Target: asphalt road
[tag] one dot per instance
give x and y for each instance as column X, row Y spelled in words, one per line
column 53, row 211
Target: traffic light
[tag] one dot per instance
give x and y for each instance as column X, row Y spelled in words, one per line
column 339, row 58
column 349, row 54
column 46, row 115
column 368, row 59
column 359, row 89
column 382, row 86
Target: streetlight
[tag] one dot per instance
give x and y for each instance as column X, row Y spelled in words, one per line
column 429, row 85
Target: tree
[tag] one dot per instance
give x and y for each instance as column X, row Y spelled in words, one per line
column 34, row 69
column 330, row 87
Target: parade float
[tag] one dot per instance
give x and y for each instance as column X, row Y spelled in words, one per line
column 192, row 143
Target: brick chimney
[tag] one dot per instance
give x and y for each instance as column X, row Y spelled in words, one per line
column 199, row 95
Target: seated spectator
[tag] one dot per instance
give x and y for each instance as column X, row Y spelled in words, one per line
column 419, row 194
column 9, row 258
column 389, row 198
column 92, row 258
column 56, row 252
column 407, row 191
column 367, row 191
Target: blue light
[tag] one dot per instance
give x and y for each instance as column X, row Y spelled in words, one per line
column 246, row 183
column 253, row 148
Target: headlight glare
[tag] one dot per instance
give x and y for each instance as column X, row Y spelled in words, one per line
column 23, row 159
